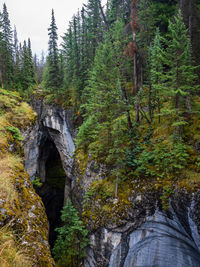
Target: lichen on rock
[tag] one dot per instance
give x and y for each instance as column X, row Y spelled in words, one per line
column 23, row 222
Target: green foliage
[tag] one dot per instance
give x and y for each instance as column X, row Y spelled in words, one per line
column 15, row 133
column 170, row 157
column 162, row 159
column 27, row 68
column 6, row 51
column 173, row 77
column 88, row 194
column 69, row 248
column 104, row 101
column 36, row 182
column 180, row 77
column 88, row 132
column 52, row 79
column 11, row 94
column 167, row 192
column 16, row 62
column 157, row 77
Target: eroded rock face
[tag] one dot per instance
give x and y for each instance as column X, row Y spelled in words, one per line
column 48, row 150
column 145, row 236
column 52, row 126
column 162, row 239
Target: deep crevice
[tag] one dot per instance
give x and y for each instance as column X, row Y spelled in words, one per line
column 53, row 177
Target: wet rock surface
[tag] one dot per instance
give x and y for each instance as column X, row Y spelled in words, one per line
column 162, row 239
column 53, row 124
column 147, row 236
column 48, row 148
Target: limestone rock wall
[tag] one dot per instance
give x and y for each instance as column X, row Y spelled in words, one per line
column 136, row 232
column 144, row 234
column 53, row 124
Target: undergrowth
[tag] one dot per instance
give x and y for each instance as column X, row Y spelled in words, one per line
column 21, row 236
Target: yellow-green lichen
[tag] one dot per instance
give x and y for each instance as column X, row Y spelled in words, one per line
column 22, row 213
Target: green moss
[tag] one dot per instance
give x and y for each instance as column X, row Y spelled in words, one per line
column 22, row 208
column 15, row 133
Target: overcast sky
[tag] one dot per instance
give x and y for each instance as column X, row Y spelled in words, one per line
column 32, row 18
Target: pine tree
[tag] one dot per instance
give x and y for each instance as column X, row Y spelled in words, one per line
column 6, row 52
column 95, row 27
column 157, row 79
column 30, row 62
column 17, row 68
column 180, row 77
column 1, row 43
column 40, row 68
column 68, row 54
column 105, row 97
column 72, row 238
column 53, row 81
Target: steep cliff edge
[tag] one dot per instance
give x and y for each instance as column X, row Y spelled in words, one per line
column 23, row 222
column 134, row 229
column 131, row 223
column 49, row 147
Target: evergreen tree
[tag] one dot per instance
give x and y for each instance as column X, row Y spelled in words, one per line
column 67, row 50
column 95, row 27
column 156, row 62
column 72, row 238
column 6, row 48
column 31, row 63
column 118, row 9
column 17, row 68
column 27, row 66
column 40, row 68
column 1, row 43
column 52, row 81
column 180, row 76
column 104, row 97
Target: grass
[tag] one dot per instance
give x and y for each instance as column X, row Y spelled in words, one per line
column 21, row 236
column 10, row 252
column 7, row 190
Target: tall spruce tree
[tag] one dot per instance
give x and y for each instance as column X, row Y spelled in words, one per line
column 6, row 47
column 104, row 97
column 156, row 62
column 52, row 81
column 1, row 42
column 17, row 67
column 69, row 248
column 27, row 69
column 180, row 76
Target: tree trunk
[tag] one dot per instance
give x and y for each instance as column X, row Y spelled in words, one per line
column 134, row 18
column 190, row 19
column 181, row 7
column 103, row 15
column 149, row 104
column 188, row 103
column 116, row 187
column 124, row 95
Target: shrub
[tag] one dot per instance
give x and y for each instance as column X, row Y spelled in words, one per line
column 72, row 238
column 15, row 133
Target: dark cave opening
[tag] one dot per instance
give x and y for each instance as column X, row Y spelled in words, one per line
column 53, row 177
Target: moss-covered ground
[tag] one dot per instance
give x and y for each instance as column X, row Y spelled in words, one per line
column 23, row 222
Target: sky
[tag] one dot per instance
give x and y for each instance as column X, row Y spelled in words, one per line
column 33, row 17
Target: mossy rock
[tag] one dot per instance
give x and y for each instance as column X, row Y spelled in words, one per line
column 22, row 211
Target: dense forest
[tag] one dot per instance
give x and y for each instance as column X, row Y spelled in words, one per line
column 129, row 70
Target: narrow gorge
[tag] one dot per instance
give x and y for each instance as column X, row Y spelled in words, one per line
column 49, row 149
column 145, row 233
column 100, row 134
